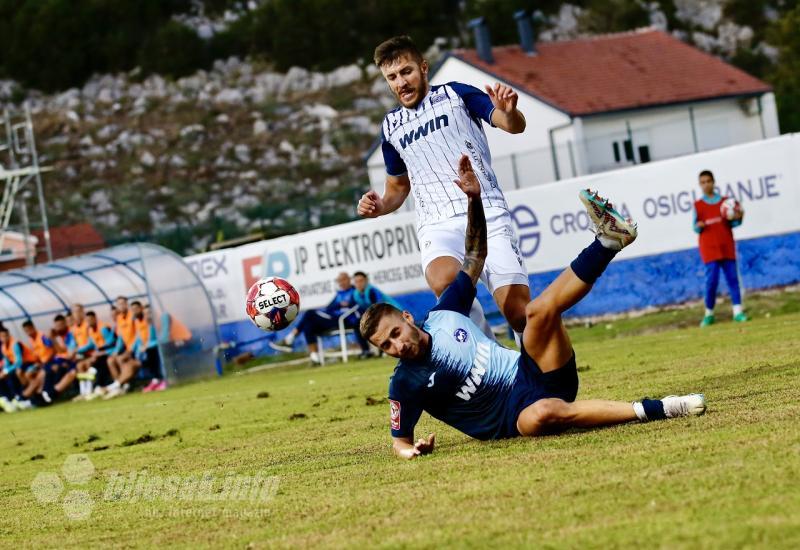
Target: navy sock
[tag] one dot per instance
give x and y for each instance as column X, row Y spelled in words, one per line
column 592, row 261
column 49, row 381
column 7, row 389
column 654, row 409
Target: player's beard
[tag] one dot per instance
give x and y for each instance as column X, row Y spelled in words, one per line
column 419, row 93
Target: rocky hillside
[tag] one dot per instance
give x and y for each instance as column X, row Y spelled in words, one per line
column 221, row 153
column 240, row 147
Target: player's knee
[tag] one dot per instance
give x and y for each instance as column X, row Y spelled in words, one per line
column 541, row 311
column 440, row 273
column 544, row 417
column 439, row 284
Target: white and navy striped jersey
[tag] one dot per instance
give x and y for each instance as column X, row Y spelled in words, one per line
column 427, row 141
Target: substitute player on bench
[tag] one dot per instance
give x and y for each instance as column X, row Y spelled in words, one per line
column 455, row 373
column 422, row 141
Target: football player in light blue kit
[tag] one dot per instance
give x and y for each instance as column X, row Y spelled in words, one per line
column 455, row 373
column 421, row 141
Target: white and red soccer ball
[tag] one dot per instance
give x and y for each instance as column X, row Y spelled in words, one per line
column 272, row 303
column 730, row 208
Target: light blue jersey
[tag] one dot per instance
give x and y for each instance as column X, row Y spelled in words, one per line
column 465, row 380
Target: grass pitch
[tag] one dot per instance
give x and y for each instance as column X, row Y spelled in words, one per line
column 727, row 479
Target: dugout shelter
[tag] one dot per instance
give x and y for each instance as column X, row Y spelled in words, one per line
column 181, row 309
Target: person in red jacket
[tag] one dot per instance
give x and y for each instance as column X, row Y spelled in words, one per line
column 717, row 248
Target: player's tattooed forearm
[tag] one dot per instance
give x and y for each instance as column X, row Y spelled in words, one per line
column 475, row 243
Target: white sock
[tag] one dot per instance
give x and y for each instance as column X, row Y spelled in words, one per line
column 477, row 316
column 82, row 386
column 709, row 312
column 113, row 385
column 737, row 309
column 518, row 339
column 638, row 408
column 609, row 243
column 290, row 338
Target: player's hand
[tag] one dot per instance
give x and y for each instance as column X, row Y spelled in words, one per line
column 467, row 180
column 408, row 453
column 503, row 97
column 370, row 205
column 424, row 445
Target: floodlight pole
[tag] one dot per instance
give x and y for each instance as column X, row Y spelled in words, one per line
column 29, row 257
column 39, row 189
column 20, row 145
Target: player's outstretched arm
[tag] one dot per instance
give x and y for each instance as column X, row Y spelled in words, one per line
column 405, row 447
column 475, row 243
column 373, row 205
column 506, row 116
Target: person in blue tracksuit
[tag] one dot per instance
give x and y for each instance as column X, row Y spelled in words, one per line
column 365, row 294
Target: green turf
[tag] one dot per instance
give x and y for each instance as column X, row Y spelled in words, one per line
column 729, row 479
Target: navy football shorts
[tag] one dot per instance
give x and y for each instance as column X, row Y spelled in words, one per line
column 531, row 385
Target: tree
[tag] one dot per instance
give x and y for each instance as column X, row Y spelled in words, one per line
column 785, row 76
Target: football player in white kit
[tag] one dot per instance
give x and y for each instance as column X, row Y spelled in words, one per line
column 422, row 141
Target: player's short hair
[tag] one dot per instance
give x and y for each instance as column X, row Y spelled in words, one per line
column 360, row 274
column 123, row 298
column 136, row 303
column 372, row 317
column 708, row 173
column 394, row 48
column 4, row 329
column 91, row 313
column 27, row 323
column 58, row 318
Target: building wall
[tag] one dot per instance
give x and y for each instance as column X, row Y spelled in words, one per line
column 667, row 131
column 14, row 248
column 533, row 160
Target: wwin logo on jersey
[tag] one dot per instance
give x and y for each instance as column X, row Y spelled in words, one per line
column 460, row 335
column 430, row 126
column 476, row 373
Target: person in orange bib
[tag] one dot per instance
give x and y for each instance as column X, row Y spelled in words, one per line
column 128, row 363
column 18, row 380
column 79, row 331
column 126, row 336
column 93, row 369
column 56, row 373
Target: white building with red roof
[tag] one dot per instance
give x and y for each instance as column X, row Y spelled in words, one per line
column 604, row 102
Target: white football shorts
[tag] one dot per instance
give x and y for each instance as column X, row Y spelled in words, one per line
column 504, row 265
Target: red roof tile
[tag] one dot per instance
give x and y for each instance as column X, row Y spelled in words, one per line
column 613, row 72
column 71, row 240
